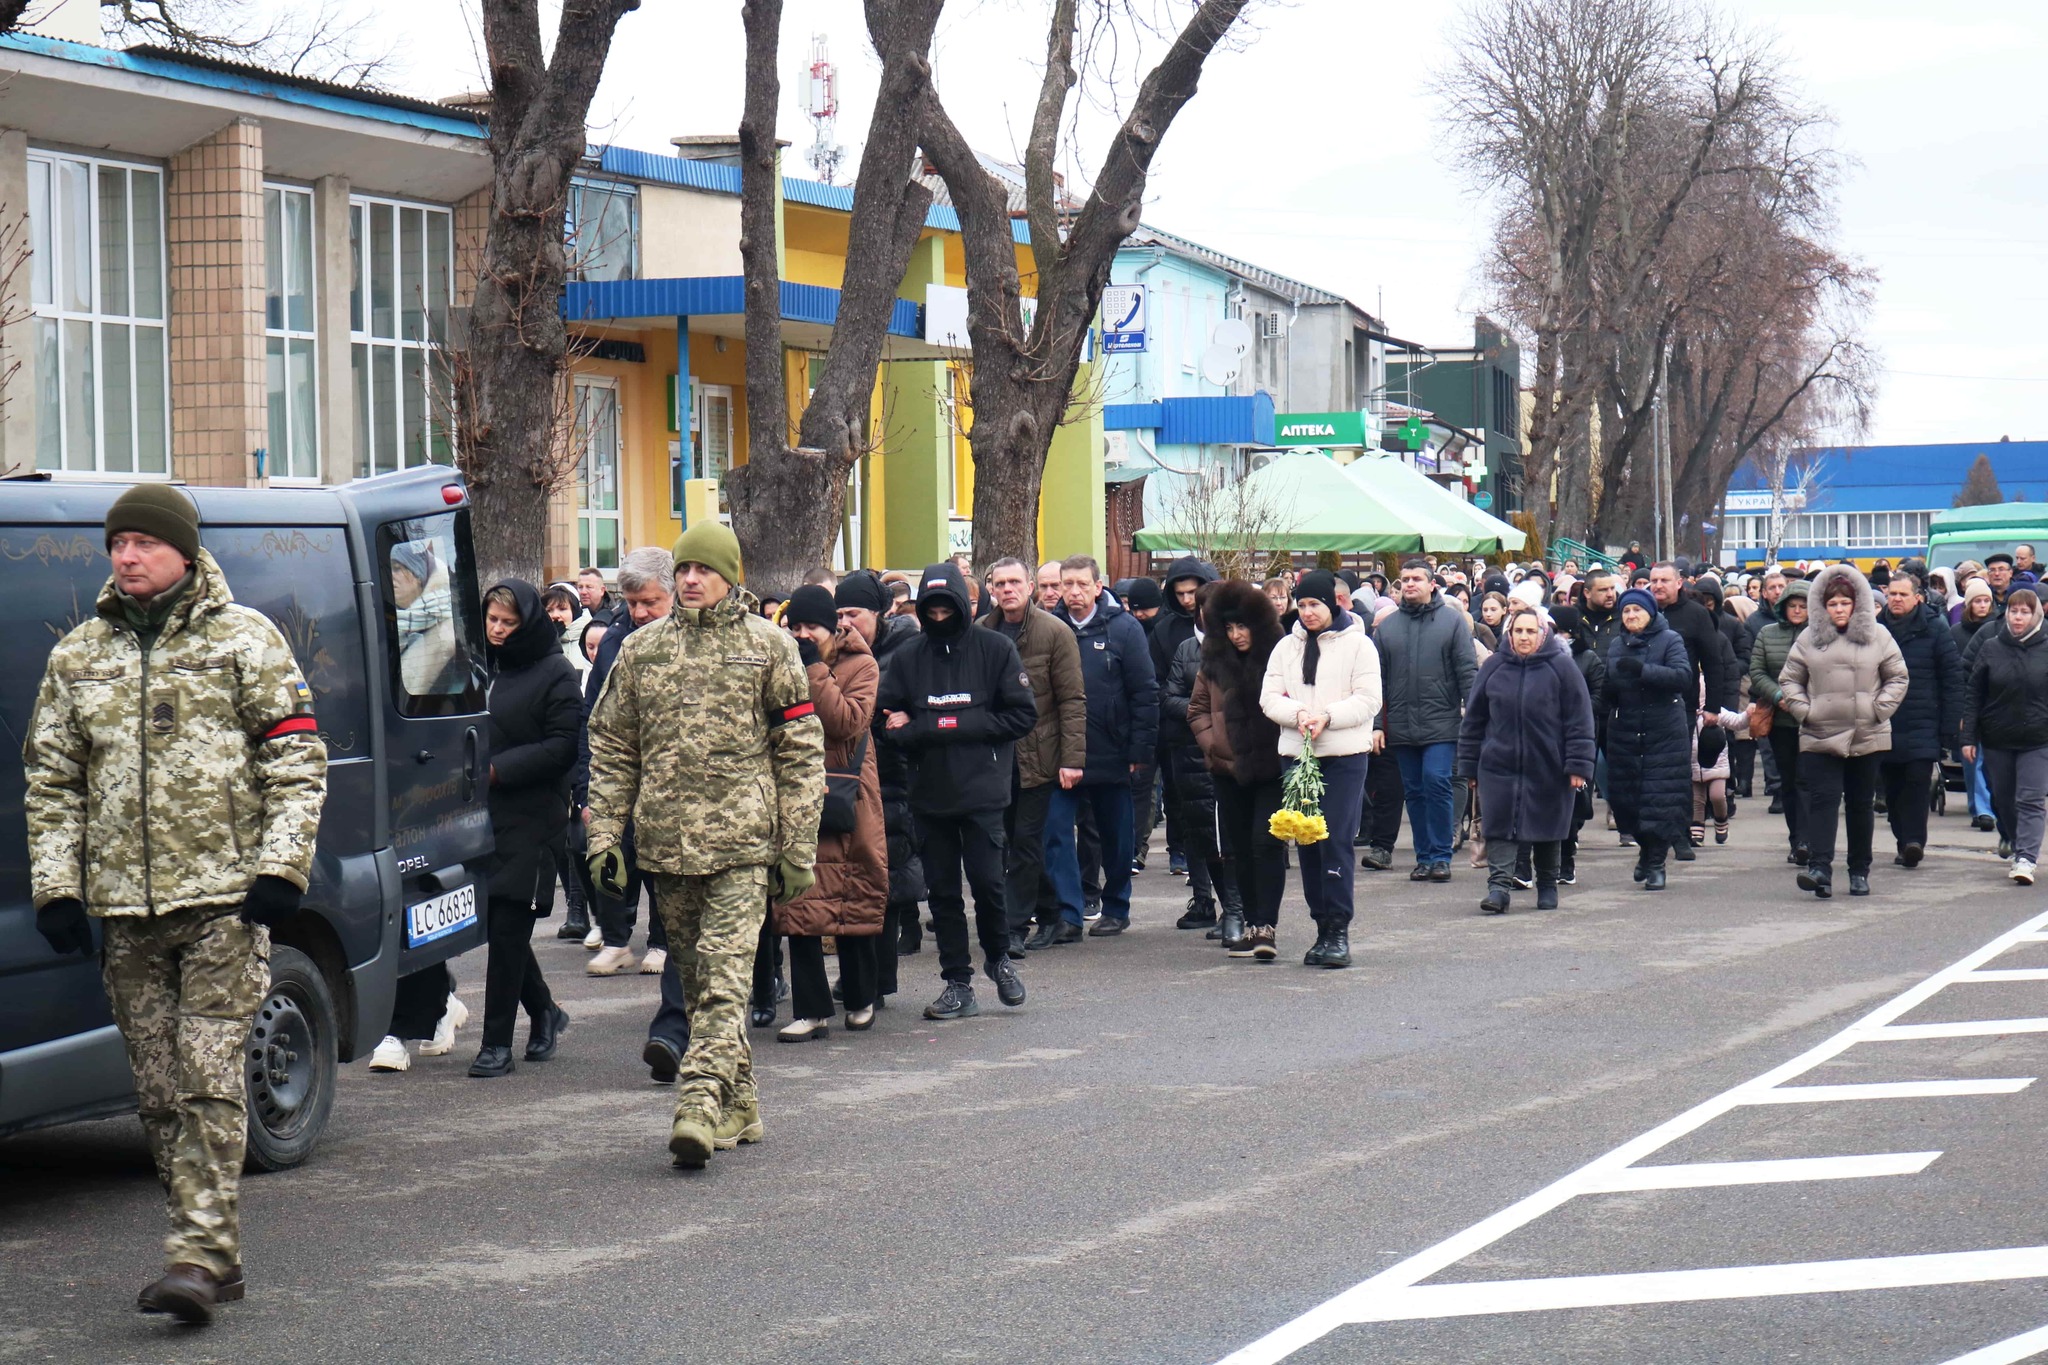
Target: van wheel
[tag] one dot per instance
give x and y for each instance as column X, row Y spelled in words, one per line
column 290, row 1063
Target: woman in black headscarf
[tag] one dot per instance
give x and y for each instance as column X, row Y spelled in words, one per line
column 535, row 710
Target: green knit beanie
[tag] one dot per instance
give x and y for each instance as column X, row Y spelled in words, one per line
column 712, row 544
column 160, row 510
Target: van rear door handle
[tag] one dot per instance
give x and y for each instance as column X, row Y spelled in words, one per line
column 469, row 761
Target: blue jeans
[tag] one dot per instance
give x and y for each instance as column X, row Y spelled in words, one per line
column 1426, row 778
column 1977, row 785
column 1329, row 866
column 1110, row 803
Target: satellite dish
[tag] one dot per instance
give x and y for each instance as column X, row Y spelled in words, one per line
column 1220, row 365
column 1234, row 334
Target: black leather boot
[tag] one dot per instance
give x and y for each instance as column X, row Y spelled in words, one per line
column 1201, row 913
column 1314, row 956
column 1230, row 930
column 1337, row 947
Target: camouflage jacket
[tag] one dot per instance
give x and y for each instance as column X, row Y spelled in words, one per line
column 171, row 777
column 704, row 738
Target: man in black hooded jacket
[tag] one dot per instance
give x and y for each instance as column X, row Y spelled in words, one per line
column 957, row 700
column 1173, row 627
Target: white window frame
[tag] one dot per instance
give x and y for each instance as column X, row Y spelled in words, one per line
column 588, row 517
column 97, row 318
column 701, row 395
column 287, row 334
column 364, row 461
column 622, row 189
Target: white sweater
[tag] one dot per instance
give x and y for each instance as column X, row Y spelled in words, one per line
column 1346, row 689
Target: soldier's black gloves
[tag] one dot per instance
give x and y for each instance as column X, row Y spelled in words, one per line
column 270, row 902
column 1629, row 666
column 64, row 926
column 807, row 650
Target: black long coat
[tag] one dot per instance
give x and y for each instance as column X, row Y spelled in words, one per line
column 536, row 713
column 1649, row 733
column 1928, row 719
column 1528, row 730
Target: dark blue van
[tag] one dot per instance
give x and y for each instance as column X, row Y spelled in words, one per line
column 396, row 879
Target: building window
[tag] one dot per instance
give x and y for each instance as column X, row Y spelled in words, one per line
column 597, row 473
column 604, row 230
column 398, row 318
column 288, row 333
column 96, row 289
column 711, row 430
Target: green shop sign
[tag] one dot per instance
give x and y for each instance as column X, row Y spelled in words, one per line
column 1319, row 429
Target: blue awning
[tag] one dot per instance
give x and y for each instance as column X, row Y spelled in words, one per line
column 713, row 296
column 1234, row 421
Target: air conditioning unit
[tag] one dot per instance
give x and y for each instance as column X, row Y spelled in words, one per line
column 1271, row 327
column 1261, row 458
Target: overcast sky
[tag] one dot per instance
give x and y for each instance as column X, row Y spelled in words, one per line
column 1314, row 150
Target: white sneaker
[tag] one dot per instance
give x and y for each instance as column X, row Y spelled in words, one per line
column 594, row 939
column 443, row 1041
column 390, row 1056
column 803, row 1030
column 610, row 962
column 652, row 964
column 2022, row 871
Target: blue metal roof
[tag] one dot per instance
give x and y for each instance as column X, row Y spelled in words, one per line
column 1231, row 421
column 1915, row 478
column 251, row 80
column 714, row 295
column 717, row 179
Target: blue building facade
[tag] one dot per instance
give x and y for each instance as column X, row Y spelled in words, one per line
column 1870, row 502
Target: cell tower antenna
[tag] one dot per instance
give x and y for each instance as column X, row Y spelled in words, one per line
column 820, row 84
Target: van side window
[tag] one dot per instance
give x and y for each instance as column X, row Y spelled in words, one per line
column 300, row 577
column 430, row 606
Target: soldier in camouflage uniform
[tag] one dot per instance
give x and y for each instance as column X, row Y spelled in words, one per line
column 175, row 779
column 704, row 738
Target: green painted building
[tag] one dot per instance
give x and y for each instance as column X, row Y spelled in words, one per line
column 1477, row 389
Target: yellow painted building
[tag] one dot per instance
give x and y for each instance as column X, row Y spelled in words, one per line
column 656, row 255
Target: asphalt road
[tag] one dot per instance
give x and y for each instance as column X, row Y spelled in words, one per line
column 1167, row 1156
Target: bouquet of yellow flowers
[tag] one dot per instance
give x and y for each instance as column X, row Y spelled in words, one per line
column 1300, row 817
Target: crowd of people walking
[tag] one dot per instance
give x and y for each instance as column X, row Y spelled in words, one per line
column 785, row 780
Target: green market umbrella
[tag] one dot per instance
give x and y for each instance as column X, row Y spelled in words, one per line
column 1306, row 502
column 1397, row 480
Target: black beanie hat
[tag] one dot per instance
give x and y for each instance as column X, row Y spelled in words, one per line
column 862, row 589
column 810, row 605
column 1319, row 584
column 160, row 510
column 1144, row 595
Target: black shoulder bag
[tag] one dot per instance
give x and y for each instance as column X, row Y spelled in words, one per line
column 842, row 794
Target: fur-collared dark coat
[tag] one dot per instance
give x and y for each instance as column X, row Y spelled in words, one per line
column 1223, row 711
column 1648, row 700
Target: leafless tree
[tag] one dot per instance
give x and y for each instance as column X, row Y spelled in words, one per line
column 1023, row 384
column 1235, row 524
column 319, row 41
column 788, row 499
column 517, row 341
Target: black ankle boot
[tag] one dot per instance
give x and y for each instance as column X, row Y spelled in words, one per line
column 1201, row 913
column 1314, row 956
column 1230, row 930
column 1546, row 895
column 1337, row 947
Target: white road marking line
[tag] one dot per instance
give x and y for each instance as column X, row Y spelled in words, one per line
column 1690, row 1286
column 1969, row 1028
column 1361, row 1302
column 1889, row 1090
column 2022, row 1347
column 2007, row 974
column 1701, row 1175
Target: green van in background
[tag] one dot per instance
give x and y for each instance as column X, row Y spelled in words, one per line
column 1973, row 532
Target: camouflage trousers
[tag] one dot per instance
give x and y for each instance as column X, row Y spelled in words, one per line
column 714, row 925
column 184, row 987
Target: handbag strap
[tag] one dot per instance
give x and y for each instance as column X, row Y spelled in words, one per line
column 860, row 756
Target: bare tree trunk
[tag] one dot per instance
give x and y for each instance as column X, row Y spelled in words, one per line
column 788, row 498
column 1023, row 383
column 508, row 391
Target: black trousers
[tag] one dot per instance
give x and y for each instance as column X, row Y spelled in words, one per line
column 512, row 978
column 1831, row 784
column 767, row 962
column 1791, row 792
column 1201, row 843
column 810, row 994
column 1145, row 803
column 1024, row 857
column 1088, row 853
column 1255, row 857
column 672, row 1018
column 1742, row 765
column 972, row 842
column 1380, row 826
column 422, row 1000
column 894, row 917
column 1907, row 790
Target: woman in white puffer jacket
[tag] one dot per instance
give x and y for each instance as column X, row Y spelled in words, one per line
column 1323, row 687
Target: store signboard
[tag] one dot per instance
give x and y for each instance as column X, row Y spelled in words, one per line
column 1319, row 429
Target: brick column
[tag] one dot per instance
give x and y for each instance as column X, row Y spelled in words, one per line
column 214, row 220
